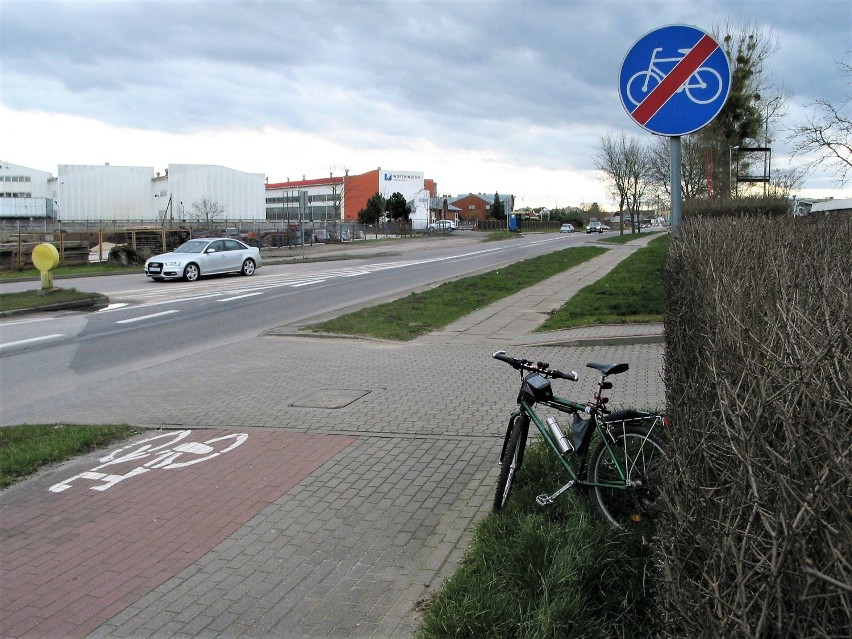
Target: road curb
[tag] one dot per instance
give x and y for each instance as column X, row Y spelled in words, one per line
column 93, row 304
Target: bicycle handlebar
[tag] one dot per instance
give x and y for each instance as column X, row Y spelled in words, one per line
column 541, row 368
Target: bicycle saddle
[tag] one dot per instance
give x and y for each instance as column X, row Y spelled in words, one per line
column 608, row 369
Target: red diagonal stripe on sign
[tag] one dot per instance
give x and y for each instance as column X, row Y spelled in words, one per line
column 703, row 49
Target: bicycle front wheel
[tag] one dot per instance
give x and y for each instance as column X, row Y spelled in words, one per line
column 641, row 85
column 624, row 476
column 511, row 462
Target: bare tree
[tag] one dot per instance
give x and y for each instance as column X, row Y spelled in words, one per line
column 785, row 181
column 693, row 178
column 207, row 211
column 742, row 120
column 624, row 164
column 827, row 136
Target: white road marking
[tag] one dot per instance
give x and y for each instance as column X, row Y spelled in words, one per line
column 239, row 297
column 144, row 317
column 31, row 340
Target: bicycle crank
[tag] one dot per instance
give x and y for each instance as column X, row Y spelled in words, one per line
column 546, row 500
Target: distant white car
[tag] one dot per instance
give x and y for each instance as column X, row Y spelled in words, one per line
column 595, row 227
column 442, row 226
column 206, row 256
column 566, row 228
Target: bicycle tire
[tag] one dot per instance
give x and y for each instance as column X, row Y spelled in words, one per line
column 511, row 462
column 639, row 451
column 652, row 81
column 694, row 92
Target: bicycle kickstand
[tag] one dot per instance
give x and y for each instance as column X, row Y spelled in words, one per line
column 546, row 500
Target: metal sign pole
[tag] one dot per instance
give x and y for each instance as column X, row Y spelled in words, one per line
column 303, row 205
column 673, row 81
column 675, row 159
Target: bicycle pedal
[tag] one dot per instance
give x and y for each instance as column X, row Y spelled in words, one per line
column 544, row 500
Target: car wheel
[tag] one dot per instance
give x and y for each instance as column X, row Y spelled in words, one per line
column 191, row 272
column 248, row 267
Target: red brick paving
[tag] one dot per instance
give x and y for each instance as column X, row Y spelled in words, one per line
column 71, row 560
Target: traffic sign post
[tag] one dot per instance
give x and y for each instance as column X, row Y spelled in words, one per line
column 673, row 81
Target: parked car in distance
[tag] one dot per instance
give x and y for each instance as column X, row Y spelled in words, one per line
column 443, row 226
column 566, row 228
column 207, row 256
column 595, row 227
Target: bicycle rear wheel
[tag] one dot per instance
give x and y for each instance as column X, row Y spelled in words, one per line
column 626, row 501
column 513, row 454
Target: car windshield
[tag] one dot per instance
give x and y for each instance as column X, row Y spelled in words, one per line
column 193, row 246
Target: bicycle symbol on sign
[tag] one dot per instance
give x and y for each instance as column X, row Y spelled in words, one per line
column 702, row 87
column 168, row 455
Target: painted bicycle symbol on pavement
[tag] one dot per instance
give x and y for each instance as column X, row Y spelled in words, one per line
column 702, row 87
column 146, row 455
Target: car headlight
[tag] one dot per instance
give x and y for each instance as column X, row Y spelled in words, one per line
column 175, row 263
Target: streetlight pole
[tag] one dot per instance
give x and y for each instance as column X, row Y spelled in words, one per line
column 730, row 169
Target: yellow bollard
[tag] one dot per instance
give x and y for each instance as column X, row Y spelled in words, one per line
column 46, row 258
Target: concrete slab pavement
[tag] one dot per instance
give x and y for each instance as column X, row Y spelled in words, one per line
column 345, row 547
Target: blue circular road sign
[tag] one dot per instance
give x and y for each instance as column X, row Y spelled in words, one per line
column 674, row 80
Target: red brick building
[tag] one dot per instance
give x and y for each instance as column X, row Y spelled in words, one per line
column 477, row 206
column 335, row 198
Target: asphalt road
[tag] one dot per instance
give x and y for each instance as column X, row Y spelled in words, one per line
column 51, row 354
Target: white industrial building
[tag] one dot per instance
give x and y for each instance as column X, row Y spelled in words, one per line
column 81, row 193
column 139, row 195
column 241, row 196
column 25, row 193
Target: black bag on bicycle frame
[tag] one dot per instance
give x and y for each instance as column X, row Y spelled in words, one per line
column 535, row 389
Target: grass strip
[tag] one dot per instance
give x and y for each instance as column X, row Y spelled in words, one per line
column 39, row 298
column 75, row 270
column 24, row 449
column 632, row 292
column 546, row 573
column 627, row 237
column 420, row 313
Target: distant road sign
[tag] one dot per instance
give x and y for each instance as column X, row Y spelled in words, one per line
column 674, row 80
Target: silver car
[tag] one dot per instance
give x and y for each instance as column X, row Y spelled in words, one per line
column 206, row 256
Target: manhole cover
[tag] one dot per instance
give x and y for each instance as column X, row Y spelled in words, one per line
column 333, row 398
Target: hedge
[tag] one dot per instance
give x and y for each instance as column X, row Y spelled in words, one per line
column 757, row 541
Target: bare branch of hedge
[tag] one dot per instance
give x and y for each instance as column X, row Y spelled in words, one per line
column 758, row 541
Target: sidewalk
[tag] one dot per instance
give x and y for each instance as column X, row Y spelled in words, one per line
column 513, row 320
column 365, row 467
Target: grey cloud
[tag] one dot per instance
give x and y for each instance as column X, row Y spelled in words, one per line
column 472, row 74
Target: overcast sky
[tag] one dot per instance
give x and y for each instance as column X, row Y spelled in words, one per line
column 479, row 96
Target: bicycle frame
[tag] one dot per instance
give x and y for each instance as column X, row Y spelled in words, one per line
column 601, row 427
column 655, row 74
column 617, row 464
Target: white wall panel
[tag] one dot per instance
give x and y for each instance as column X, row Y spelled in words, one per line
column 94, row 192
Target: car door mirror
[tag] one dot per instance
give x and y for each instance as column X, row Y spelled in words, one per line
column 210, row 250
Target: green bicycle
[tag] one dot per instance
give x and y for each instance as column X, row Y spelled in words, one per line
column 621, row 470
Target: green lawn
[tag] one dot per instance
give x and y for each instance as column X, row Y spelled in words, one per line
column 77, row 270
column 628, row 237
column 24, row 449
column 37, row 298
column 420, row 313
column 542, row 573
column 633, row 292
